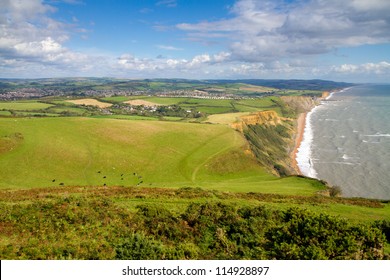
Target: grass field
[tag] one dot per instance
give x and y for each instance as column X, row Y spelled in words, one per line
column 21, row 106
column 87, row 151
column 65, row 107
column 208, row 106
column 225, row 118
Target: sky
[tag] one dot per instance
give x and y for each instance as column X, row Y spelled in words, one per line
column 340, row 40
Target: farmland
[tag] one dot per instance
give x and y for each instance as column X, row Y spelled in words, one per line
column 85, row 151
column 156, row 170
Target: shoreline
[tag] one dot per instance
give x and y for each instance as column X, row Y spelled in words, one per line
column 301, row 124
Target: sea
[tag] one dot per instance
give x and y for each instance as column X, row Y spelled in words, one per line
column 346, row 141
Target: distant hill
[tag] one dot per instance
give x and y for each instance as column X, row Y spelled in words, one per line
column 289, row 84
column 139, row 84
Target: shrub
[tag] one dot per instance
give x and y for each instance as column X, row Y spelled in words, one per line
column 139, row 247
column 335, row 191
column 384, row 226
column 305, row 235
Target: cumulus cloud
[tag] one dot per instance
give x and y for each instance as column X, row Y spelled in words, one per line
column 262, row 39
column 31, row 41
column 169, row 48
column 382, row 67
column 130, row 62
column 269, row 30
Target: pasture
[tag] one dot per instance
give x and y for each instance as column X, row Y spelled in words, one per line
column 51, row 152
column 24, row 106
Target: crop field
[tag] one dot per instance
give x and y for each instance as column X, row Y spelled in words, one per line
column 49, row 152
column 90, row 102
column 138, row 102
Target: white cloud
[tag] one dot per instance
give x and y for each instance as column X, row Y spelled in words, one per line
column 269, row 30
column 199, row 60
column 382, row 67
column 372, row 5
column 262, row 39
column 41, row 48
column 32, row 42
column 167, row 3
column 169, row 48
column 221, row 57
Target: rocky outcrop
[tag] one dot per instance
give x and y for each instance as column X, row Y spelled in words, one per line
column 263, row 117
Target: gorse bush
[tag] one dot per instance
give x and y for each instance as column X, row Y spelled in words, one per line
column 305, row 235
column 384, row 226
column 137, row 246
column 96, row 227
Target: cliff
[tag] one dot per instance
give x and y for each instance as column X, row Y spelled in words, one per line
column 263, row 117
column 300, row 104
column 325, row 94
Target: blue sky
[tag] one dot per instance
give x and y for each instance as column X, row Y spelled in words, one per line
column 345, row 40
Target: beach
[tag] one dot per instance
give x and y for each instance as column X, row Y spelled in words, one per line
column 301, row 122
column 346, row 141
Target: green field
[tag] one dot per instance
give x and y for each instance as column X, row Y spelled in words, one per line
column 82, row 151
column 57, row 106
column 32, row 105
column 5, row 113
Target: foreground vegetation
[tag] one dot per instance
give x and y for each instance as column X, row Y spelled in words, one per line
column 150, row 223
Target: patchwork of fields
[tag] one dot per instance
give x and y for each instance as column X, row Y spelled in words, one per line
column 77, row 174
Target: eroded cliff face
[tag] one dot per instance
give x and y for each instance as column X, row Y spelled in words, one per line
column 263, row 117
column 325, row 94
column 271, row 137
column 300, row 104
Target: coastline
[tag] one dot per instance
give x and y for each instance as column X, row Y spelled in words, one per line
column 301, row 155
column 301, row 123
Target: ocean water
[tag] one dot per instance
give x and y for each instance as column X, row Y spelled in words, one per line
column 347, row 142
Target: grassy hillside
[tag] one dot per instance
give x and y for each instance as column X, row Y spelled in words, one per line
column 44, row 152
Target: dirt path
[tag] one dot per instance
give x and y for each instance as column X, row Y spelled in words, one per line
column 199, row 166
